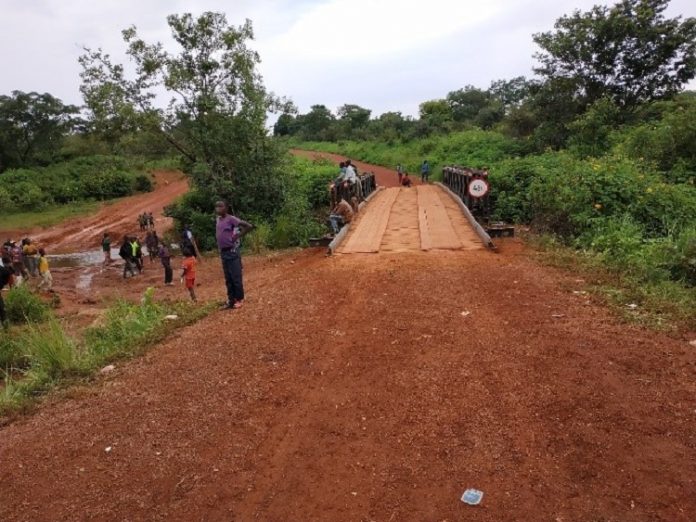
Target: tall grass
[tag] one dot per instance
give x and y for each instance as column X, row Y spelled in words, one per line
column 37, row 357
column 24, row 306
column 51, row 352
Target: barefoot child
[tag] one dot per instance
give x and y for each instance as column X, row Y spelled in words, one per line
column 46, row 278
column 188, row 272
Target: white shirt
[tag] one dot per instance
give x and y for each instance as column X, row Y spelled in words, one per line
column 350, row 175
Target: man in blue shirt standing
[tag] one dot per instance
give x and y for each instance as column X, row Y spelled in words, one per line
column 425, row 171
column 229, row 231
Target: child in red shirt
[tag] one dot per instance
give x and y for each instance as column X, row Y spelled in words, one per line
column 188, row 273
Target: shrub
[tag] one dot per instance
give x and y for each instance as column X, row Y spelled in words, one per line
column 124, row 324
column 11, row 353
column 142, row 183
column 50, row 349
column 23, row 306
column 259, row 240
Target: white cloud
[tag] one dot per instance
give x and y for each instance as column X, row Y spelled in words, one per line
column 369, row 30
column 382, row 54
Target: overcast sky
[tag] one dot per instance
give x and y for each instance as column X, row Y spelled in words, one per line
column 387, row 55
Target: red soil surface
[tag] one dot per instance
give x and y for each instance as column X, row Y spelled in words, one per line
column 374, row 387
column 117, row 218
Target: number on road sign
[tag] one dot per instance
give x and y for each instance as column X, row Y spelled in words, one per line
column 478, row 188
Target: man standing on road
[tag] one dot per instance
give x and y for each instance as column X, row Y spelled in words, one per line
column 425, row 171
column 126, row 253
column 229, row 231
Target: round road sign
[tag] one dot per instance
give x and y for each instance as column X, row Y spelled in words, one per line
column 478, row 188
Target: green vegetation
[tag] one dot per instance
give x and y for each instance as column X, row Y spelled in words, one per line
column 47, row 217
column 39, row 355
column 616, row 210
column 85, row 178
column 297, row 217
column 24, row 306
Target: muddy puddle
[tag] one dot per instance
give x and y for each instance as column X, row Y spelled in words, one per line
column 80, row 259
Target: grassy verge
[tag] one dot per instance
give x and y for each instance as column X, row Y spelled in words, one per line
column 39, row 356
column 662, row 304
column 46, row 217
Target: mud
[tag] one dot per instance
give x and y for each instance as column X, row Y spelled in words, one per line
column 117, row 218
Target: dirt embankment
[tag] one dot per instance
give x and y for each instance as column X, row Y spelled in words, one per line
column 118, row 218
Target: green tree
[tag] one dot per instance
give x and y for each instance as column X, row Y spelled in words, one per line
column 435, row 115
column 32, row 128
column 511, row 93
column 355, row 116
column 316, row 122
column 217, row 109
column 466, row 103
column 629, row 53
column 285, row 125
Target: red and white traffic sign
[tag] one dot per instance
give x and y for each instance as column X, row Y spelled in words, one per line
column 478, row 188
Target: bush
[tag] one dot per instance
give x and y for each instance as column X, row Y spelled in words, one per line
column 50, row 350
column 679, row 255
column 124, row 324
column 90, row 177
column 23, row 306
column 12, row 355
column 304, row 192
column 142, row 183
column 259, row 240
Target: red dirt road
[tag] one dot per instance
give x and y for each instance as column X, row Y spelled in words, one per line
column 385, row 177
column 354, row 388
column 117, row 218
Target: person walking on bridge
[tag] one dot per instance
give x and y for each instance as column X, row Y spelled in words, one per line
column 229, row 231
column 425, row 171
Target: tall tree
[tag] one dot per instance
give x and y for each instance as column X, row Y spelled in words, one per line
column 466, row 103
column 630, row 52
column 32, row 127
column 217, row 108
column 355, row 116
column 511, row 93
column 316, row 122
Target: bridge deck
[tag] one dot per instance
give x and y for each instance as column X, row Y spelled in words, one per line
column 401, row 220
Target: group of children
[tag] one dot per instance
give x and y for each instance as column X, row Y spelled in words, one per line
column 17, row 264
column 146, row 221
column 21, row 261
column 132, row 254
column 26, row 260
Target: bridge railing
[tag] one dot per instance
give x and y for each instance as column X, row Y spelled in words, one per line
column 459, row 180
column 367, row 182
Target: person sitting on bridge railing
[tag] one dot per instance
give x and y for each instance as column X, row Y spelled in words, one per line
column 341, row 215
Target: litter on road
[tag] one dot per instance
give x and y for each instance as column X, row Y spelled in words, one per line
column 473, row 497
